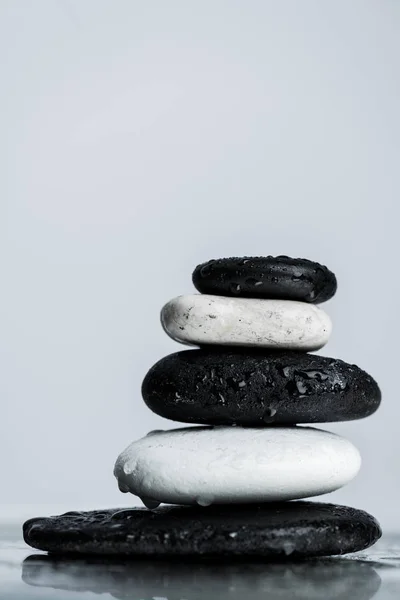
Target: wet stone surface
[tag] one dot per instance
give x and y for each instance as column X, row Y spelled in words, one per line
column 266, row 277
column 27, row 574
column 271, row 531
column 258, row 388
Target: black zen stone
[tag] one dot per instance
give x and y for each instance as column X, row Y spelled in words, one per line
column 272, row 531
column 323, row 578
column 258, row 388
column 266, row 277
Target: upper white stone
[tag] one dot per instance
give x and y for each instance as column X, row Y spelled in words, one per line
column 204, row 319
column 206, row 465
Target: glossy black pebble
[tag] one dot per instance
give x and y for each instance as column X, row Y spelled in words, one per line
column 256, row 388
column 272, row 531
column 266, row 277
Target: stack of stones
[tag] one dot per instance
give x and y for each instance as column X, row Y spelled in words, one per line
column 249, row 386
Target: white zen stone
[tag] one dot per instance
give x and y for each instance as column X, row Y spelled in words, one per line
column 207, row 465
column 205, row 319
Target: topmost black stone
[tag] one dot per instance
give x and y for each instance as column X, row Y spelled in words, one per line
column 279, row 277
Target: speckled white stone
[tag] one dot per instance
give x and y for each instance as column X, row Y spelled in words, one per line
column 206, row 465
column 204, row 319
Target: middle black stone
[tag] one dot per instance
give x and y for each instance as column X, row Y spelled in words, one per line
column 258, row 388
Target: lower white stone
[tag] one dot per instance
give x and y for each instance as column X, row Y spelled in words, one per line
column 198, row 319
column 206, row 465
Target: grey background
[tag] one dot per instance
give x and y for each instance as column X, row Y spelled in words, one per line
column 140, row 138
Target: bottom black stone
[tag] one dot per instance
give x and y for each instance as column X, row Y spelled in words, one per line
column 273, row 531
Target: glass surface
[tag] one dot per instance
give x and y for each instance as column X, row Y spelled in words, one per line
column 28, row 575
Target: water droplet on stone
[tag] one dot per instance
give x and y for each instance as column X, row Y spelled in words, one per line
column 242, row 384
column 252, row 281
column 301, row 387
column 235, row 288
column 288, row 547
column 297, row 273
column 128, row 468
column 274, row 280
column 231, row 382
column 339, row 383
column 269, row 414
column 204, row 500
column 123, row 487
column 150, row 502
column 318, row 375
column 205, row 271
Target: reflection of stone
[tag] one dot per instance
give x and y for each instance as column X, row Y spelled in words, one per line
column 330, row 579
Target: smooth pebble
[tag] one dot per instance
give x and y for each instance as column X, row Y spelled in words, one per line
column 200, row 319
column 218, row 465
